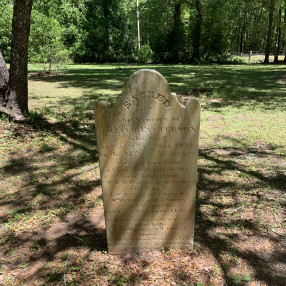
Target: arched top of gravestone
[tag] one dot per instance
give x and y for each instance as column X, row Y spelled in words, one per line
column 147, row 84
column 147, row 93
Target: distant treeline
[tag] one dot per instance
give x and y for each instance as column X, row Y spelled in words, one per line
column 171, row 31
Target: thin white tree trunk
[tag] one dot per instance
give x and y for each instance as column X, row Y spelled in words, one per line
column 138, row 26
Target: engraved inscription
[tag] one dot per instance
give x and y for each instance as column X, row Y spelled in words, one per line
column 147, row 94
column 145, row 129
column 148, row 147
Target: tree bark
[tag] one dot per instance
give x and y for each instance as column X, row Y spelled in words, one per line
column 14, row 94
column 254, row 32
column 284, row 39
column 176, row 33
column 278, row 37
column 197, row 32
column 4, row 77
column 242, row 33
column 269, row 34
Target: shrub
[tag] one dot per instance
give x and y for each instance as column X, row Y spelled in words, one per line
column 145, row 54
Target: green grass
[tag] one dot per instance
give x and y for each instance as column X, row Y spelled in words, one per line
column 51, row 212
column 250, row 85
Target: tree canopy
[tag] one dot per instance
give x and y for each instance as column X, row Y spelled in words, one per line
column 183, row 31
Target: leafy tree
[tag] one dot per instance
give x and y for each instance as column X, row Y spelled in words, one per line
column 107, row 35
column 46, row 41
column 72, row 19
column 157, row 21
column 6, row 12
column 175, row 30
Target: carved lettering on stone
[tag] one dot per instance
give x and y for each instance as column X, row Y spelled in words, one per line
column 148, row 149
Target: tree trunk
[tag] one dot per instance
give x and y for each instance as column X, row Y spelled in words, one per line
column 278, row 37
column 284, row 40
column 14, row 100
column 138, row 25
column 238, row 38
column 269, row 34
column 18, row 81
column 253, row 38
column 176, row 34
column 242, row 34
column 4, row 90
column 197, row 32
column 4, row 77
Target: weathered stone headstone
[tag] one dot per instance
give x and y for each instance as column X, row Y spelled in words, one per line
column 148, row 149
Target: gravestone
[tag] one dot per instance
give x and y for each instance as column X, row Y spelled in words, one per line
column 148, row 149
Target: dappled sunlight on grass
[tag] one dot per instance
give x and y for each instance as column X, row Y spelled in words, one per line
column 51, row 213
column 241, row 82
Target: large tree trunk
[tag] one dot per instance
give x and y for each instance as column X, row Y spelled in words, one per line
column 14, row 101
column 269, row 34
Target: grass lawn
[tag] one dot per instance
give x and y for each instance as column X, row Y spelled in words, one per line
column 52, row 228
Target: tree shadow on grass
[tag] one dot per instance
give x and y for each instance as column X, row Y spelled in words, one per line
column 226, row 213
column 48, row 214
column 51, row 194
column 238, row 86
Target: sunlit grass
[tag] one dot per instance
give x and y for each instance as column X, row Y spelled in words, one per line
column 76, row 83
column 243, row 101
column 49, row 175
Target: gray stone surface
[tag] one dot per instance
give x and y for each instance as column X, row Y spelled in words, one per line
column 148, row 149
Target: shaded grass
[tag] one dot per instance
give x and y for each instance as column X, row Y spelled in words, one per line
column 253, row 86
column 51, row 213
